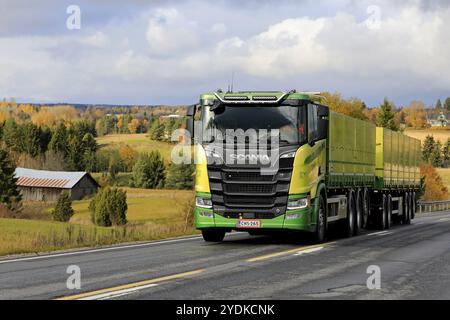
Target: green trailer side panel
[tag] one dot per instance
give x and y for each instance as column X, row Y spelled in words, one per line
column 397, row 160
column 351, row 152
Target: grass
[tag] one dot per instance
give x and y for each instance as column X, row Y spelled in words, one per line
column 438, row 134
column 139, row 141
column 445, row 175
column 152, row 214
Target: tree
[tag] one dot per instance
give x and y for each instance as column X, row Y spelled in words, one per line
column 9, row 193
column 157, row 130
column 427, row 149
column 352, row 107
column 386, row 116
column 446, row 153
column 447, row 104
column 109, row 207
column 436, row 155
column 148, row 172
column 128, row 156
column 30, row 139
column 63, row 210
column 438, row 104
column 58, row 142
column 434, row 187
column 134, row 125
column 415, row 115
column 180, row 176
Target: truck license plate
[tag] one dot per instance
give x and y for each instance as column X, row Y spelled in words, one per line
column 243, row 223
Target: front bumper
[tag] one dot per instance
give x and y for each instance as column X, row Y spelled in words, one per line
column 206, row 219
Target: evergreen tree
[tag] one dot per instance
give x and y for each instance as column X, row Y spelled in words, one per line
column 446, row 153
column 30, row 139
column 447, row 104
column 63, row 210
column 180, row 176
column 438, row 104
column 9, row 193
column 109, row 207
column 386, row 116
column 58, row 142
column 436, row 155
column 148, row 172
column 427, row 149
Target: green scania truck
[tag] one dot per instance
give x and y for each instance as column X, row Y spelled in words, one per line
column 328, row 168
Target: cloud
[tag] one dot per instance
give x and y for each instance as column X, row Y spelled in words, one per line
column 170, row 52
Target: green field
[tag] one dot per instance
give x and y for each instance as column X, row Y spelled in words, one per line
column 152, row 214
column 139, row 141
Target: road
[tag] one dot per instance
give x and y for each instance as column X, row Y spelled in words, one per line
column 414, row 262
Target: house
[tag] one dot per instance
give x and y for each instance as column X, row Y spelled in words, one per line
column 440, row 121
column 41, row 185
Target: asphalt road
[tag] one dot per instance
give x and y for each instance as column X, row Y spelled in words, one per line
column 414, row 263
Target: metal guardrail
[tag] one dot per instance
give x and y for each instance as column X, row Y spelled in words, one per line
column 429, row 206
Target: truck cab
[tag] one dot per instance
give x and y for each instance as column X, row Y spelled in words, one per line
column 260, row 162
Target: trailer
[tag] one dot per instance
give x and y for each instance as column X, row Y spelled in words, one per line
column 328, row 168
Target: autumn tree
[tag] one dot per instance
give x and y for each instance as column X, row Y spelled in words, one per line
column 434, row 187
column 352, row 107
column 415, row 115
column 128, row 156
column 134, row 125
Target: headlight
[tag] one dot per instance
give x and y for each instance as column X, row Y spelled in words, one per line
column 288, row 155
column 203, row 203
column 294, row 204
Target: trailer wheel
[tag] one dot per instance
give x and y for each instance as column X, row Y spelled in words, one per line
column 359, row 213
column 389, row 212
column 382, row 214
column 321, row 226
column 407, row 209
column 213, row 236
column 413, row 205
column 366, row 208
column 350, row 221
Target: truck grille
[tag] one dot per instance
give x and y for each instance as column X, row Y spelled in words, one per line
column 238, row 191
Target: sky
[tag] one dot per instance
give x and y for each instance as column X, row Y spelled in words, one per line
column 169, row 52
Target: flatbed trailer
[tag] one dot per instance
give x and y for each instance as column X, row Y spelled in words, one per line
column 337, row 169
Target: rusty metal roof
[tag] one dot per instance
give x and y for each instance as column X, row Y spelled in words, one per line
column 48, row 179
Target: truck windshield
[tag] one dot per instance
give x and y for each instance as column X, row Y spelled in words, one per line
column 289, row 120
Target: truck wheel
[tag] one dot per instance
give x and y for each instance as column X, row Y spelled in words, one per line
column 366, row 208
column 350, row 221
column 413, row 205
column 382, row 214
column 213, row 236
column 359, row 213
column 407, row 209
column 389, row 212
column 321, row 226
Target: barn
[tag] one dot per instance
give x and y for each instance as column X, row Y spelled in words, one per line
column 41, row 185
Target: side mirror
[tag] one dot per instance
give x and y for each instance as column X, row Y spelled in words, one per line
column 322, row 122
column 190, row 120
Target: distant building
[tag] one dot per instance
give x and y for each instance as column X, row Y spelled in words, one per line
column 41, row 185
column 440, row 121
column 172, row 116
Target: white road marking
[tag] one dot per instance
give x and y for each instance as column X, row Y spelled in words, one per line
column 380, row 233
column 308, row 251
column 444, row 219
column 119, row 293
column 147, row 244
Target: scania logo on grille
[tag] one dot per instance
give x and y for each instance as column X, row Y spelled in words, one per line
column 263, row 158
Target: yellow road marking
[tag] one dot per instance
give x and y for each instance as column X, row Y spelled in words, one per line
column 131, row 285
column 282, row 253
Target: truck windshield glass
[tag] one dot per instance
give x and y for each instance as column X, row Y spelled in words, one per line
column 289, row 120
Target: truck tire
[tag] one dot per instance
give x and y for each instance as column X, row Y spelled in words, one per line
column 349, row 228
column 382, row 214
column 407, row 209
column 389, row 212
column 213, row 235
column 366, row 208
column 321, row 223
column 413, row 205
column 359, row 212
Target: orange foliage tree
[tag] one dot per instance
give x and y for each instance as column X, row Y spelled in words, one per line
column 434, row 187
column 415, row 115
column 352, row 107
